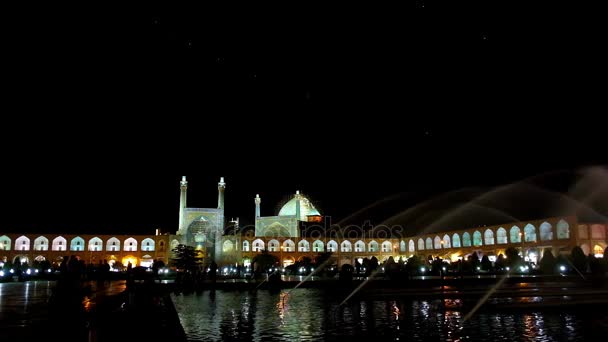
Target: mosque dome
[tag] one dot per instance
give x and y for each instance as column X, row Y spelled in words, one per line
column 306, row 208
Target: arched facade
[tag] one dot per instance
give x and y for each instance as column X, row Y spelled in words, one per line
column 59, row 244
column 113, row 245
column 258, row 245
column 5, row 243
column 95, row 244
column 304, row 246
column 77, row 244
column 22, row 243
column 332, row 246
column 148, row 245
column 130, row 245
column 289, row 246
column 41, row 244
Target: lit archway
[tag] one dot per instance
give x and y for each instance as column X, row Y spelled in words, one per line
column 41, row 243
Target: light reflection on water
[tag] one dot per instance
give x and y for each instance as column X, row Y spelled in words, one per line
column 312, row 314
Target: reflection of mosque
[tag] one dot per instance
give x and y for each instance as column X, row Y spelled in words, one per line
column 299, row 230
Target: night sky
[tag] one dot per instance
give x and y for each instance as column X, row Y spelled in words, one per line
column 106, row 108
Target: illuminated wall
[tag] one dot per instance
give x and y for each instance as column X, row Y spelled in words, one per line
column 277, row 226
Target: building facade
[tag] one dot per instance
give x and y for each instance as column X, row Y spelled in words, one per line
column 139, row 250
column 297, row 231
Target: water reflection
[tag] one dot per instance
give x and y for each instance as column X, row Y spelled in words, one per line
column 312, row 314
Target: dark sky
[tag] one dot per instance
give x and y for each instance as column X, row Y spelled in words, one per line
column 105, row 108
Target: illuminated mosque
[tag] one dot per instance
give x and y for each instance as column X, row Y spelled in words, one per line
column 299, row 230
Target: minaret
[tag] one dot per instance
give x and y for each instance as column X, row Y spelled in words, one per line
column 298, row 204
column 216, row 236
column 183, row 185
column 258, row 200
column 221, row 186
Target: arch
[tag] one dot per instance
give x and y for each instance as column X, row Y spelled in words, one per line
column 501, row 236
column 273, row 245
column 130, row 245
column 22, row 243
column 411, row 246
column 174, row 243
column 41, row 243
column 318, row 246
column 437, row 242
column 332, row 246
column 289, row 260
column 258, row 245
column 113, row 244
column 598, row 251
column 245, row 246
column 95, row 244
column 276, row 230
column 563, row 230
column 161, row 246
column 477, row 238
column 387, row 246
column 130, row 259
column 402, row 246
column 546, row 231
column 488, row 237
column 346, row 246
column 289, row 246
column 304, row 246
column 446, row 241
column 428, row 243
column 148, row 245
column 59, row 244
column 456, row 240
column 372, row 246
column 228, row 246
column 77, row 244
column 5, row 243
column 420, row 244
column 359, row 246
column 19, row 260
column 515, row 234
column 199, row 238
column 529, row 233
column 466, row 239
column 146, row 261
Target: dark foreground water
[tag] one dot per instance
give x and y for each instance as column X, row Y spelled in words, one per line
column 313, row 314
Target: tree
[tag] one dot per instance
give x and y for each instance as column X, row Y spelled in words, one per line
column 186, row 258
column 264, row 261
column 321, row 259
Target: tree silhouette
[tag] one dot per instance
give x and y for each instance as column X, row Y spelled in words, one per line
column 321, row 258
column 264, row 261
column 186, row 258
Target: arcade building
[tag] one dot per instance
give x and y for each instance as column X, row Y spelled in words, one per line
column 299, row 230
